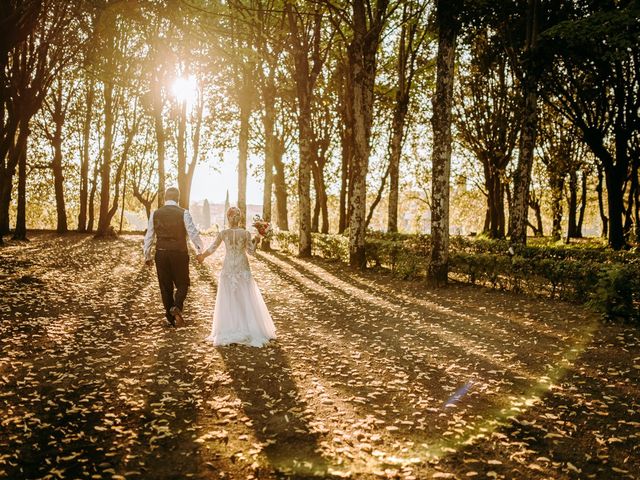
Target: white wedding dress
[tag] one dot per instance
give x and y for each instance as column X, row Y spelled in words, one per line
column 240, row 314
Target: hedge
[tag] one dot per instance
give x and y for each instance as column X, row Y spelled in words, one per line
column 605, row 280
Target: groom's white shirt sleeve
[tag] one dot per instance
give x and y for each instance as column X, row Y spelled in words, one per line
column 189, row 226
column 192, row 230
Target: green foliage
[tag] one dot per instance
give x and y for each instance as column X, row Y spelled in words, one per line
column 606, row 280
column 617, row 292
column 334, row 247
column 287, row 241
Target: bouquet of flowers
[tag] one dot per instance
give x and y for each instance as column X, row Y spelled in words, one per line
column 264, row 228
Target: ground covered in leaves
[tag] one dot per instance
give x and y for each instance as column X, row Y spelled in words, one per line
column 371, row 377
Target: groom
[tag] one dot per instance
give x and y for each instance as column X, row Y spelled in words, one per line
column 171, row 224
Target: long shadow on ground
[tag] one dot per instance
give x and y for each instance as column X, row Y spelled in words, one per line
column 262, row 379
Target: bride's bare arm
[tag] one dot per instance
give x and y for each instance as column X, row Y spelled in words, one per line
column 210, row 249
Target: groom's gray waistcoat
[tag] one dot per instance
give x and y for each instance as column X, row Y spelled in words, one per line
column 168, row 223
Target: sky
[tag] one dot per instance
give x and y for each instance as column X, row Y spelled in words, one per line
column 212, row 184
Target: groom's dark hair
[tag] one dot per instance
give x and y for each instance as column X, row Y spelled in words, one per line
column 172, row 193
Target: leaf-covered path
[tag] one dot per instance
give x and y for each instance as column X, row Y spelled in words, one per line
column 371, row 377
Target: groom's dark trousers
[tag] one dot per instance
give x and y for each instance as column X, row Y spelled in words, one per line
column 172, row 267
column 172, row 256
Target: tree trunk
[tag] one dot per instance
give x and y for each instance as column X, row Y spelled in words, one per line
column 615, row 182
column 304, row 83
column 362, row 55
column 346, row 145
column 280, row 185
column 343, row 218
column 84, row 158
column 20, row 232
column 5, row 202
column 315, row 216
column 146, row 203
column 243, row 155
column 637, row 210
column 268, row 122
column 538, row 228
column 305, row 133
column 603, row 216
column 448, row 25
column 92, row 197
column 58, row 181
column 160, row 141
column 615, row 175
column 395, row 153
column 124, row 196
column 557, row 187
column 181, row 150
column 186, row 167
column 583, row 203
column 522, row 176
column 8, row 168
column 572, row 205
column 104, row 220
column 6, row 186
column 321, row 208
column 629, row 210
column 359, row 169
column 58, row 115
column 158, row 124
column 495, row 218
column 378, row 197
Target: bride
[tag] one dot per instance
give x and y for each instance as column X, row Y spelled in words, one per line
column 240, row 314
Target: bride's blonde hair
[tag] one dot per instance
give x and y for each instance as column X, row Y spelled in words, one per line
column 234, row 215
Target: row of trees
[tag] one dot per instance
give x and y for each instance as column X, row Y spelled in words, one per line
column 580, row 61
column 111, row 100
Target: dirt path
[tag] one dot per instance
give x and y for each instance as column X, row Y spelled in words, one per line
column 371, row 377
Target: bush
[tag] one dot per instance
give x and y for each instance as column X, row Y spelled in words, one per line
column 334, row 247
column 287, row 242
column 617, row 292
column 608, row 281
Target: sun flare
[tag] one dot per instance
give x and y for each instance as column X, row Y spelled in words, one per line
column 185, row 89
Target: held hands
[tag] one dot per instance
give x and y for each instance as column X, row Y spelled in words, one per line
column 148, row 262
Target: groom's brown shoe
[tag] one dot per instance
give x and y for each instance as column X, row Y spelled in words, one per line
column 177, row 314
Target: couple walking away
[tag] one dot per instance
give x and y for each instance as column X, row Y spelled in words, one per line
column 240, row 314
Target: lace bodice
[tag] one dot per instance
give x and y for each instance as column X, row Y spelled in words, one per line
column 237, row 242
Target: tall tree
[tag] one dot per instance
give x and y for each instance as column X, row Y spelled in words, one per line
column 158, row 96
column 448, row 23
column 595, row 83
column 280, row 183
column 112, row 60
column 562, row 153
column 518, row 213
column 308, row 58
column 56, row 105
column 88, row 95
column 486, row 120
column 412, row 38
column 366, row 20
column 30, row 68
column 18, row 18
column 188, row 141
column 269, row 36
